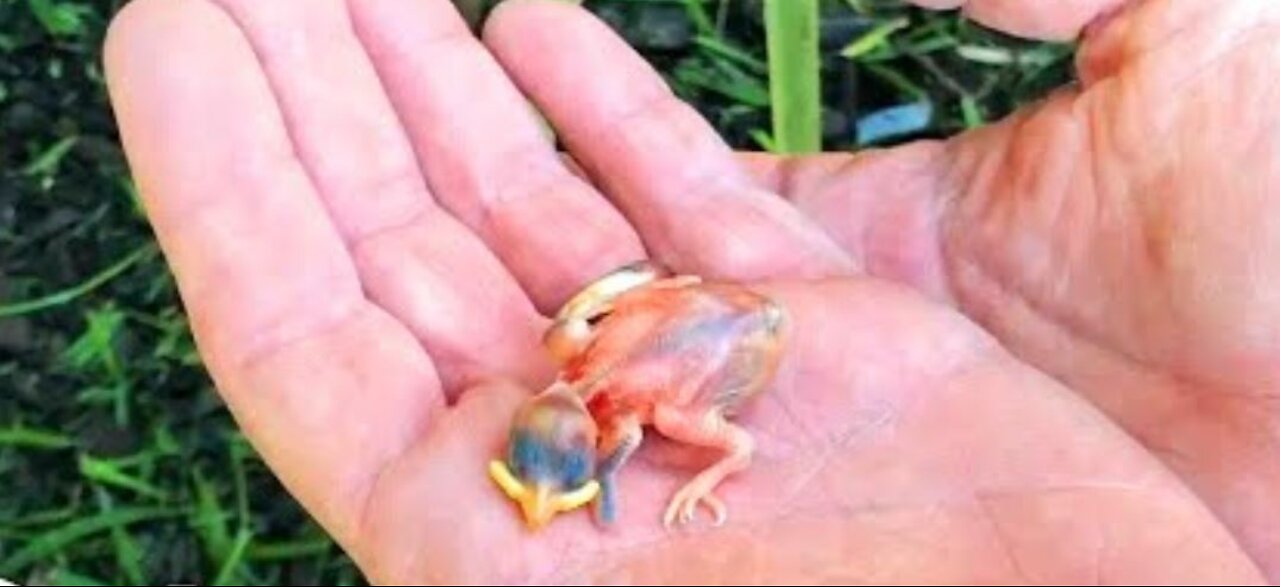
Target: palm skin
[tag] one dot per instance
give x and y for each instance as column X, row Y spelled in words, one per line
column 368, row 229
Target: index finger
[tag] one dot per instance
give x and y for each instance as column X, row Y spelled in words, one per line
column 326, row 387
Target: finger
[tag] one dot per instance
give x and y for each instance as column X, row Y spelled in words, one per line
column 484, row 153
column 415, row 259
column 326, row 387
column 662, row 165
column 1060, row 20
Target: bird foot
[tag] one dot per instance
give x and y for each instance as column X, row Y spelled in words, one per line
column 684, row 505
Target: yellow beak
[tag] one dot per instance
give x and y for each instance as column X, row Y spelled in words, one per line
column 540, row 504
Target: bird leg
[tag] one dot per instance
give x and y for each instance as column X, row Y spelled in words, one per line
column 709, row 429
column 620, row 437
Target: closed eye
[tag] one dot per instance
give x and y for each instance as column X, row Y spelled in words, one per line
column 576, row 470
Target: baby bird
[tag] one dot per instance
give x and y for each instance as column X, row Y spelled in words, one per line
column 641, row 349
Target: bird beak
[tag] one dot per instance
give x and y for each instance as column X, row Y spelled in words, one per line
column 540, row 503
column 578, row 497
column 538, row 506
column 543, row 503
column 507, row 482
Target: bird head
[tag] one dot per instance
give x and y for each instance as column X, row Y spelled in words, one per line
column 551, row 452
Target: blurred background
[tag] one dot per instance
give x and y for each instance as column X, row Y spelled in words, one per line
column 118, row 463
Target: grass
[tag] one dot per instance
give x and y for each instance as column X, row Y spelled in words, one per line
column 791, row 35
column 120, row 463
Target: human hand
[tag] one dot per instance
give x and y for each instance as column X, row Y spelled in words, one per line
column 1121, row 236
column 367, row 228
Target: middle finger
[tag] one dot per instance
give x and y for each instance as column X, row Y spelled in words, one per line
column 485, row 154
column 415, row 259
column 655, row 157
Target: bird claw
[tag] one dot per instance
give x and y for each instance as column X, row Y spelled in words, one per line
column 683, row 507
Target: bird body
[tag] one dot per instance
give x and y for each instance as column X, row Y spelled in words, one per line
column 697, row 347
column 676, row 354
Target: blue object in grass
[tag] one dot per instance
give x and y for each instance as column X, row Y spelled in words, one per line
column 894, row 121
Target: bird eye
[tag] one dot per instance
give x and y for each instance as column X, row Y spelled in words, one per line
column 577, row 468
column 524, row 454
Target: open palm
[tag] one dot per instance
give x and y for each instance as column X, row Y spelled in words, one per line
column 368, row 227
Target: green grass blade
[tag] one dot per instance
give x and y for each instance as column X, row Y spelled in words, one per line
column 875, row 38
column 211, row 519
column 107, row 473
column 726, row 79
column 60, row 18
column 292, row 549
column 241, row 484
column 67, row 295
column 226, row 574
column 49, row 544
column 898, row 81
column 762, row 138
column 698, row 15
column 986, row 55
column 129, row 556
column 43, row 518
column 48, row 160
column 61, row 577
column 729, row 52
column 128, row 553
column 791, row 28
column 33, row 438
column 971, row 112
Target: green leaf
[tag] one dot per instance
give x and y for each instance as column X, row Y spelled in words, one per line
column 265, row 551
column 226, row 574
column 875, row 38
column 130, row 190
column 698, row 14
column 46, row 163
column 791, row 28
column 721, row 48
column 128, row 553
column 109, row 473
column 762, row 138
column 972, row 112
column 211, row 519
column 47, row 545
column 94, row 345
column 724, row 78
column 60, row 18
column 64, row 577
column 239, row 453
column 898, row 81
column 68, row 295
column 34, row 438
column 44, row 518
column 986, row 55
